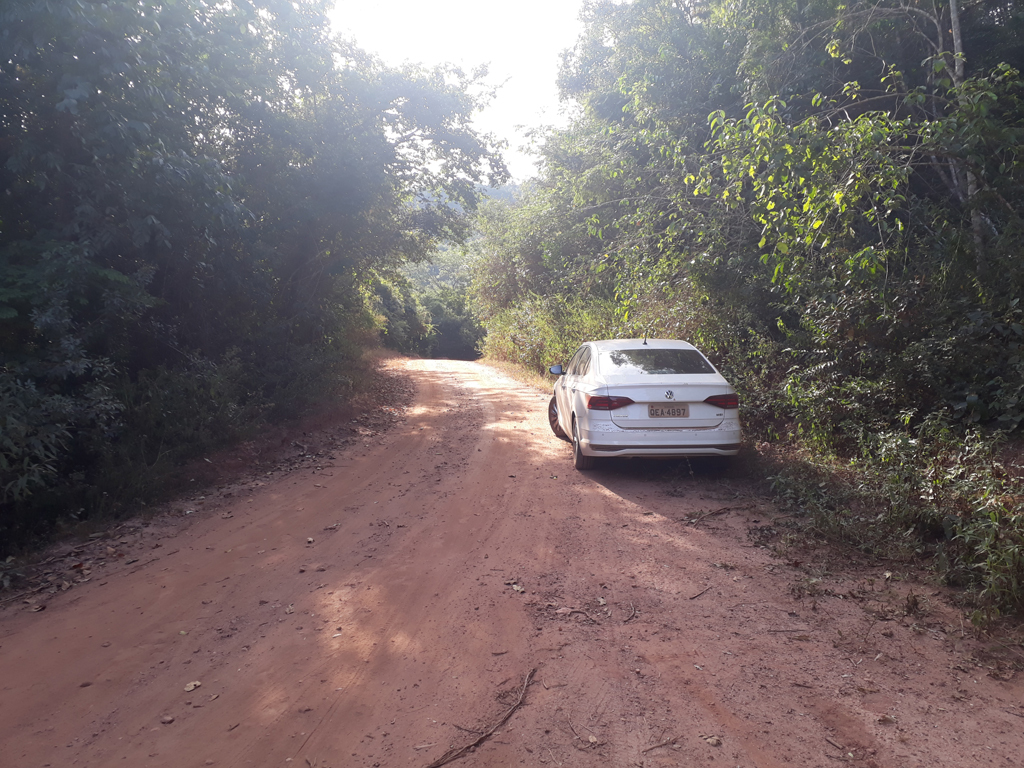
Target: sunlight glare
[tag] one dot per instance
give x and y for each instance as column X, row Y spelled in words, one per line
column 520, row 42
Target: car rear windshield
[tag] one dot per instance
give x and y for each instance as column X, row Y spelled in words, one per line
column 654, row 361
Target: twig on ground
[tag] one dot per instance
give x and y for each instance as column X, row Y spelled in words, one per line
column 467, row 730
column 24, row 594
column 577, row 610
column 587, row 743
column 701, row 592
column 632, row 615
column 840, row 747
column 1008, row 647
column 455, row 754
column 867, row 632
column 706, row 515
column 569, row 718
column 659, row 746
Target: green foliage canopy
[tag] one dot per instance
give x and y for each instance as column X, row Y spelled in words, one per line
column 194, row 191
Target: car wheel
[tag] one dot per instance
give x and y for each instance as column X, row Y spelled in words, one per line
column 553, row 419
column 580, row 461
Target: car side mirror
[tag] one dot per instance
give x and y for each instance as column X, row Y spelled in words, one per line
column 556, row 370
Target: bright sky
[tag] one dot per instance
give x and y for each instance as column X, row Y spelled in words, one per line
column 521, row 42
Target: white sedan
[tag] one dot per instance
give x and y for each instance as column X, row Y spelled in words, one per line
column 643, row 397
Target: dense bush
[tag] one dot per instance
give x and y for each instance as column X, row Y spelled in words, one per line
column 540, row 331
column 455, row 332
column 404, row 323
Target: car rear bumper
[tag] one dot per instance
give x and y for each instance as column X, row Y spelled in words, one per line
column 726, row 449
column 701, row 442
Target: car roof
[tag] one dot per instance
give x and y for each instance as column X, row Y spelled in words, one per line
column 612, row 344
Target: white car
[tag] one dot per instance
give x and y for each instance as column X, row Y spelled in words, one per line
column 643, row 397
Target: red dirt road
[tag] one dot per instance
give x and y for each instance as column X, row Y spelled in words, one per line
column 389, row 605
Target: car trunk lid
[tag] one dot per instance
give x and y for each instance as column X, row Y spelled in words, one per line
column 666, row 402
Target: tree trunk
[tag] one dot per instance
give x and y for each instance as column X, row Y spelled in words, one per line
column 958, row 45
column 977, row 225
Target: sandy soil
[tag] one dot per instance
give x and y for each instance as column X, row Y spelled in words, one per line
column 382, row 598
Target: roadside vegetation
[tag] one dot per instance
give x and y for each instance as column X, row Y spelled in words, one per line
column 209, row 212
column 440, row 287
column 203, row 212
column 826, row 197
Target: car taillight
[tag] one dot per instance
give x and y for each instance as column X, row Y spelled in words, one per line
column 606, row 403
column 724, row 401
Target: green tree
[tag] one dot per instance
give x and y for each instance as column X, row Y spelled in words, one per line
column 197, row 202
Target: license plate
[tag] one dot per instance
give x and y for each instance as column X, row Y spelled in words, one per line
column 668, row 411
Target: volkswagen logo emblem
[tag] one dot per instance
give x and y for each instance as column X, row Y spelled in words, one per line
column 669, row 394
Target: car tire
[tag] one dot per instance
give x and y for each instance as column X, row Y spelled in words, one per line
column 553, row 419
column 579, row 460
